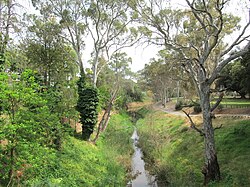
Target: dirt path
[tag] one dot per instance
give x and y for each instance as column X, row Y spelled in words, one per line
column 234, row 113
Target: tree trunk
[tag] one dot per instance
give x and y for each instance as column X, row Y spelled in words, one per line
column 107, row 118
column 164, row 98
column 94, row 68
column 211, row 170
column 178, row 90
column 100, row 126
column 86, row 131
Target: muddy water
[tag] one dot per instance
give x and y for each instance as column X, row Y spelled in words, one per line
column 143, row 178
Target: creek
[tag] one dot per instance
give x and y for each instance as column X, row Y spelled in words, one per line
column 142, row 176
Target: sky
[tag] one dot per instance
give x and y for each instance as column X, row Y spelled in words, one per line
column 142, row 54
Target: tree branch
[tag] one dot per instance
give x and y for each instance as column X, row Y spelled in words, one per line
column 224, row 62
column 218, row 127
column 237, row 41
column 217, row 102
column 193, row 126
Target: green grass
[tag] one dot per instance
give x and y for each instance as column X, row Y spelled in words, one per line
column 228, row 102
column 175, row 151
column 81, row 163
column 234, row 103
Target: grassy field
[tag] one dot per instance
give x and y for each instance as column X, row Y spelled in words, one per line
column 175, row 152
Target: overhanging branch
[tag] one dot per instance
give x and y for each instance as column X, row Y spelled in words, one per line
column 193, row 126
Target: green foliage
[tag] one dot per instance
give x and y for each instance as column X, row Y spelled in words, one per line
column 174, row 150
column 115, row 81
column 84, row 164
column 87, row 107
column 130, row 93
column 134, row 94
column 38, row 144
column 29, row 126
column 235, row 77
column 48, row 53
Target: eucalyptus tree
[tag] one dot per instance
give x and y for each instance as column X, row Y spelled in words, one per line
column 109, row 25
column 197, row 34
column 118, row 71
column 235, row 77
column 106, row 22
column 157, row 79
column 8, row 24
column 71, row 16
column 103, row 25
column 163, row 76
column 245, row 61
column 48, row 53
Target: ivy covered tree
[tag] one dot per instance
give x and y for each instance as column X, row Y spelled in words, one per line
column 87, row 106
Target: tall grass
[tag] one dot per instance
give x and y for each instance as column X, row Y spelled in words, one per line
column 175, row 152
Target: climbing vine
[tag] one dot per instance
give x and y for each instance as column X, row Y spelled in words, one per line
column 87, row 106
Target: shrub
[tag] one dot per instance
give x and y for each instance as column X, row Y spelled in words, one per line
column 178, row 105
column 197, row 109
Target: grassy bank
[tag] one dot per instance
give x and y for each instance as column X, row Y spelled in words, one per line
column 234, row 103
column 175, row 151
column 81, row 163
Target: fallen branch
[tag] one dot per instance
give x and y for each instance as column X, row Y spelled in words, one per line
column 193, row 126
column 218, row 127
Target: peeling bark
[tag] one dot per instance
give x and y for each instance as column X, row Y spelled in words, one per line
column 211, row 170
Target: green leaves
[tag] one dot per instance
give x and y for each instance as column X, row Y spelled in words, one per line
column 26, row 120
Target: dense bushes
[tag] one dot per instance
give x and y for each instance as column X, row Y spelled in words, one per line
column 77, row 163
column 30, row 129
column 197, row 109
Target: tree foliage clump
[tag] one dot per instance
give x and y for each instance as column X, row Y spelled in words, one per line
column 235, row 76
column 87, row 107
column 28, row 126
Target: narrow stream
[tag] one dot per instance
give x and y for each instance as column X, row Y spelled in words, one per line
column 143, row 178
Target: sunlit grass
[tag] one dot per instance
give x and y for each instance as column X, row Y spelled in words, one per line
column 81, row 163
